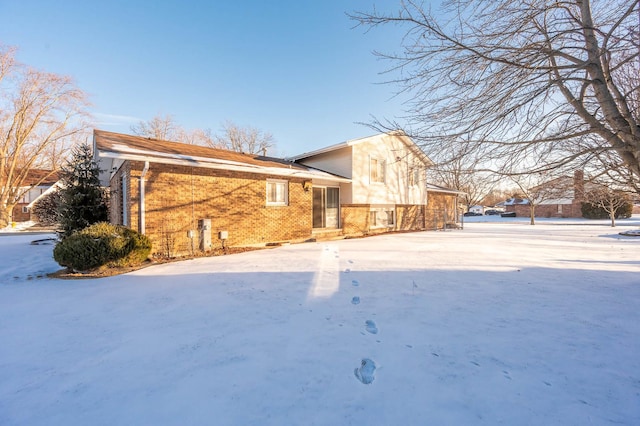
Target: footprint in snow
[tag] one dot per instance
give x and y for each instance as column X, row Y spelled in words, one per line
column 355, row 283
column 365, row 373
column 355, row 300
column 347, row 270
column 370, row 326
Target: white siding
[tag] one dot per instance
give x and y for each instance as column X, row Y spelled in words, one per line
column 337, row 162
column 399, row 161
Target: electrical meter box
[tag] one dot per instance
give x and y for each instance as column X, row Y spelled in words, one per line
column 204, row 226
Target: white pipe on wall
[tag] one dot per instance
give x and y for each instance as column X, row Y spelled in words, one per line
column 142, row 203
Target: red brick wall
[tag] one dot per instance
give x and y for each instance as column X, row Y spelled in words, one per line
column 440, row 211
column 355, row 219
column 410, row 217
column 177, row 197
column 115, row 198
column 548, row 210
column 17, row 215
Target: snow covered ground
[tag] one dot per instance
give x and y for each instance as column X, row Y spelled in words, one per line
column 499, row 323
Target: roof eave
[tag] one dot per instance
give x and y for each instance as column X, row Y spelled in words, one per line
column 193, row 162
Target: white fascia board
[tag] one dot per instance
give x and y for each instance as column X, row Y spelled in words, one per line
column 320, row 151
column 49, row 190
column 209, row 163
column 431, row 188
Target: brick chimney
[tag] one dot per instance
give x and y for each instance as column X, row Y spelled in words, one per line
column 578, row 185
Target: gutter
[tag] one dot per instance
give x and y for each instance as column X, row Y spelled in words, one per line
column 142, row 203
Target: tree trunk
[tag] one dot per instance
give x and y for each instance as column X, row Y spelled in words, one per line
column 612, row 214
column 532, row 212
column 5, row 215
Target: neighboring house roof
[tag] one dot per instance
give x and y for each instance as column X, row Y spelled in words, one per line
column 117, row 146
column 399, row 134
column 515, row 201
column 40, row 177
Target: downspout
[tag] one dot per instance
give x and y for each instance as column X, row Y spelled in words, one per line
column 142, row 203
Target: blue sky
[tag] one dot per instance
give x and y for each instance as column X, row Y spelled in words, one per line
column 296, row 69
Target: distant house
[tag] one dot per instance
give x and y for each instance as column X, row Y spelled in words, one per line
column 37, row 184
column 560, row 197
column 189, row 197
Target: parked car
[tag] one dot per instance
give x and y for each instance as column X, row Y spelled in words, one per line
column 508, row 214
column 493, row 212
column 472, row 214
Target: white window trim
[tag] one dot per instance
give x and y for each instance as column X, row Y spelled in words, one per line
column 414, row 176
column 381, row 214
column 285, row 183
column 382, row 167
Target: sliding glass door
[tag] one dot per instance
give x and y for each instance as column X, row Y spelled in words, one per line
column 326, row 207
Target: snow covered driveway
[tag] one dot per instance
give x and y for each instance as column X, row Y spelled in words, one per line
column 500, row 323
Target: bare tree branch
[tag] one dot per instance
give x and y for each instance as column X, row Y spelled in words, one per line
column 516, row 80
column 41, row 115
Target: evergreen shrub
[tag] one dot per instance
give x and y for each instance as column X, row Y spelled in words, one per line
column 102, row 244
column 593, row 211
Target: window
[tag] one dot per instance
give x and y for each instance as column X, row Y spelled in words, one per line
column 25, row 209
column 382, row 217
column 277, row 192
column 377, row 170
column 414, row 176
column 389, row 218
column 124, row 219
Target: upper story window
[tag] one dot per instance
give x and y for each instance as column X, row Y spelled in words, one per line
column 414, row 176
column 277, row 192
column 377, row 168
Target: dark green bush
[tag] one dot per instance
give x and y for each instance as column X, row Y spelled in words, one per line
column 102, row 244
column 593, row 211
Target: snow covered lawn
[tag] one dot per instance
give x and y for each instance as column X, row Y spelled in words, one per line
column 499, row 323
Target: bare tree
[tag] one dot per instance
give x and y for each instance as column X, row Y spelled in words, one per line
column 41, row 115
column 233, row 137
column 519, row 82
column 539, row 188
column 159, row 127
column 461, row 173
column 608, row 199
column 243, row 139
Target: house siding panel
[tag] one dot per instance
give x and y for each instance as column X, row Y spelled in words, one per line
column 399, row 162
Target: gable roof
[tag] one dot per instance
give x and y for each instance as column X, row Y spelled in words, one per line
column 402, row 136
column 118, row 146
column 437, row 188
column 40, row 177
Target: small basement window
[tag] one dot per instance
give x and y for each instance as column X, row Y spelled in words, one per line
column 277, row 192
column 382, row 217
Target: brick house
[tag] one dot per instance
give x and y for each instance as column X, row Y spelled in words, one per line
column 190, row 197
column 37, row 184
column 560, row 197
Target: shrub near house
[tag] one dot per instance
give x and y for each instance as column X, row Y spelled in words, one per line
column 102, row 244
